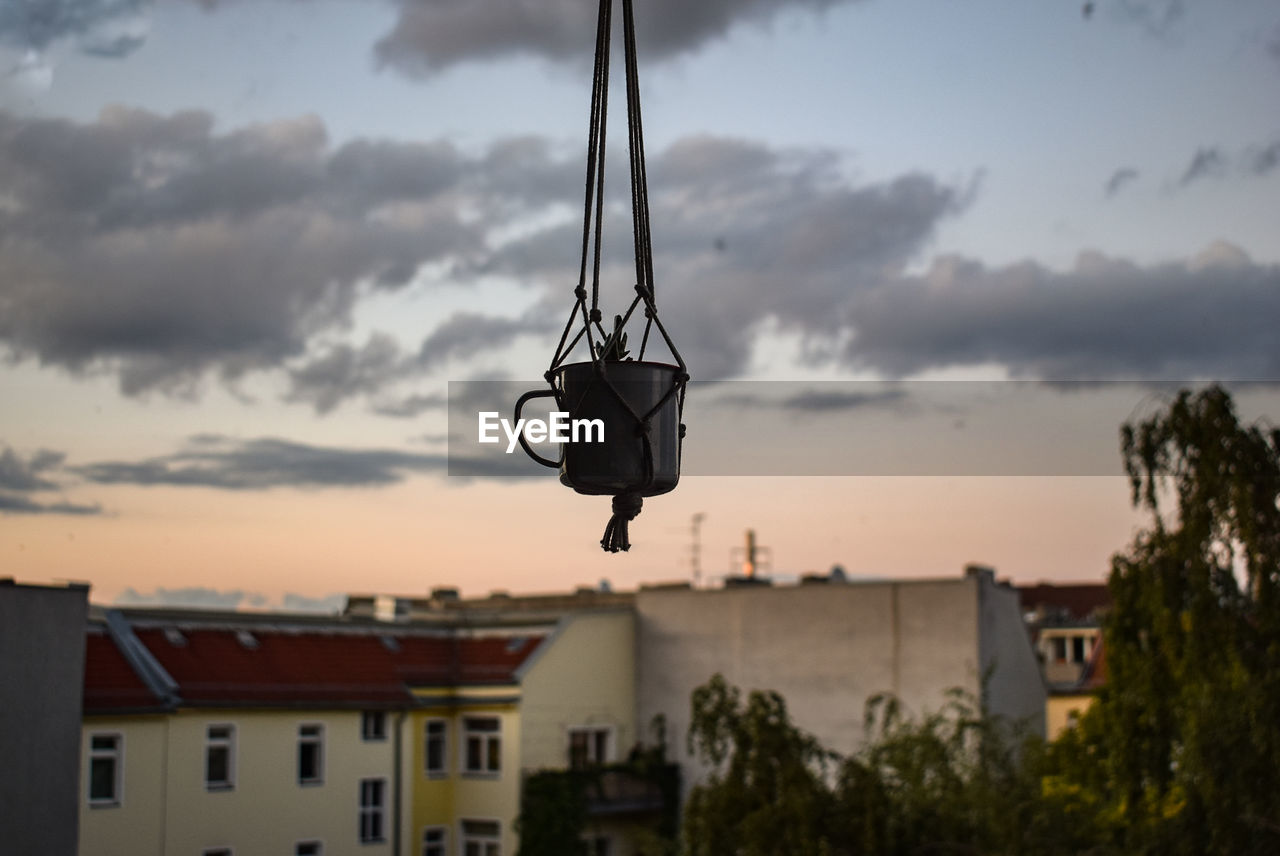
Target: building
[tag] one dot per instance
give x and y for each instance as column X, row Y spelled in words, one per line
column 1066, row 704
column 827, row 646
column 232, row 733
column 41, row 661
column 1065, row 626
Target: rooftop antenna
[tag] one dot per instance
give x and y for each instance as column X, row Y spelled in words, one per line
column 754, row 557
column 695, row 548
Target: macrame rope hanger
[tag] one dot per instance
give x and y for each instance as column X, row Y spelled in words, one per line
column 586, row 313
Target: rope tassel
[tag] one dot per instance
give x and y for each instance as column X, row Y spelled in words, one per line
column 626, row 506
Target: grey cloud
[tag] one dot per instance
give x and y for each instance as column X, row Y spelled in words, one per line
column 433, row 34
column 1265, row 159
column 410, row 406
column 28, row 474
column 206, row 251
column 1157, row 17
column 824, row 401
column 1209, row 317
column 343, row 371
column 114, row 47
column 744, row 233
column 11, row 504
column 37, row 24
column 218, row 462
column 1205, row 163
column 1119, row 179
column 467, row 333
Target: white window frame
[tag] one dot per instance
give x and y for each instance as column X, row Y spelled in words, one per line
column 442, row 771
column 591, row 731
column 319, row 845
column 117, row 778
column 317, row 740
column 464, row 839
column 229, row 784
column 378, row 810
column 490, row 748
column 368, row 736
column 442, row 844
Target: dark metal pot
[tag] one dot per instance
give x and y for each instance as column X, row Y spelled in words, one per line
column 622, row 396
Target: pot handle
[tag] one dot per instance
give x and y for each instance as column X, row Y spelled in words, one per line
column 524, row 444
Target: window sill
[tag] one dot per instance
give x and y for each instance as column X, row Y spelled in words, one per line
column 437, row 774
column 214, row 787
column 311, row 783
column 481, row 774
column 104, row 803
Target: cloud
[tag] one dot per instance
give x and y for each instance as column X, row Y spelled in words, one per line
column 431, row 35
column 158, row 248
column 1119, row 179
column 198, row 597
column 11, row 504
column 342, row 372
column 1157, row 17
column 21, row 476
column 467, row 333
column 1207, row 317
column 329, row 604
column 410, row 406
column 104, row 27
column 1262, row 160
column 746, row 234
column 1206, row 162
column 213, row 461
column 27, row 474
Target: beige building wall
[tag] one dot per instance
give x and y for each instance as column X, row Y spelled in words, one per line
column 447, row 799
column 583, row 677
column 167, row 809
column 828, row 647
column 1061, row 711
column 135, row 823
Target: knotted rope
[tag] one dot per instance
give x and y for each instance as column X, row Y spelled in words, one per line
column 626, row 507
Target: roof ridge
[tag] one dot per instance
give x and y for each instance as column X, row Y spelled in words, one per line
column 141, row 660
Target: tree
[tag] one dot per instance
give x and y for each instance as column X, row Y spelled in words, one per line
column 959, row 780
column 1182, row 752
column 765, row 795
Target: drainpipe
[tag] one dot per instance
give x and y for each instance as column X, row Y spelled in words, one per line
column 397, row 763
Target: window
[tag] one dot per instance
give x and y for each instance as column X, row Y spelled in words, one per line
column 483, row 740
column 220, row 758
column 216, row 851
column 310, row 754
column 433, row 843
column 481, row 838
column 308, row 848
column 599, row 846
column 105, row 768
column 1059, row 644
column 373, row 725
column 589, row 746
column 437, row 747
column 373, row 794
column 1077, row 649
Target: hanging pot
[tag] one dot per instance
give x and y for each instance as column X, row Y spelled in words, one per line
column 636, row 448
column 637, row 404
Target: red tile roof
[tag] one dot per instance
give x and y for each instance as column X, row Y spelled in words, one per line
column 110, row 684
column 1076, row 602
column 1094, row 675
column 251, row 665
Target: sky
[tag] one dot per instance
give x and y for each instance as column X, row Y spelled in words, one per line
column 247, row 245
